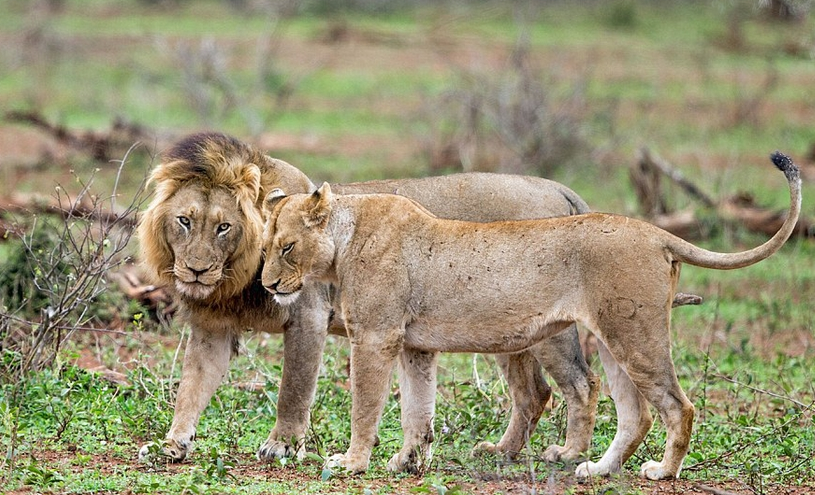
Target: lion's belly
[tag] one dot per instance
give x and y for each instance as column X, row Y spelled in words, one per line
column 501, row 333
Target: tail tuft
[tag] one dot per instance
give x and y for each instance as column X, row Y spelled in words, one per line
column 786, row 165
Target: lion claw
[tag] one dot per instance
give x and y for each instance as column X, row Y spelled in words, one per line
column 276, row 449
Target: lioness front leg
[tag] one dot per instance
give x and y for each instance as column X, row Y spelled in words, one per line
column 371, row 369
column 304, row 340
column 206, row 361
column 417, row 390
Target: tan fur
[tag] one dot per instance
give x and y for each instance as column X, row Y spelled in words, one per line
column 212, row 180
column 412, row 285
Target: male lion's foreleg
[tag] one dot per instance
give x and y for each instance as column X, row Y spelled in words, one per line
column 417, row 389
column 206, row 361
column 371, row 369
column 633, row 419
column 563, row 358
column 529, row 393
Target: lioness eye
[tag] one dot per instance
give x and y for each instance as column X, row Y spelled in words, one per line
column 286, row 249
column 223, row 228
column 184, row 221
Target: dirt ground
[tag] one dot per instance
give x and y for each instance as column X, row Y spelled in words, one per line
column 248, row 467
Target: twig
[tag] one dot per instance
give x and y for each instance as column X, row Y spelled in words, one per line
column 710, row 489
column 765, row 392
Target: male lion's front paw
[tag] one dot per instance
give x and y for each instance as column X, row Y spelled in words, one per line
column 654, row 470
column 277, row 449
column 175, row 451
column 340, row 464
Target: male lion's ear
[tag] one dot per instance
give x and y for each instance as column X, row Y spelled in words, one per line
column 319, row 206
column 274, row 197
column 251, row 177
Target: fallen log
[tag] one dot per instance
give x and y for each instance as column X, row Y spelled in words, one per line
column 646, row 177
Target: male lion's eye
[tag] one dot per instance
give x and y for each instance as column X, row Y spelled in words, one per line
column 184, row 221
column 224, row 228
column 286, row 249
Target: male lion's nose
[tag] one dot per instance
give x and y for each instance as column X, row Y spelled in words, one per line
column 198, row 271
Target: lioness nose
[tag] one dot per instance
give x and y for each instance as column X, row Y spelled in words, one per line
column 273, row 286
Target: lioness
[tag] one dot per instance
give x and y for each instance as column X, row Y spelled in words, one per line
column 201, row 238
column 411, row 285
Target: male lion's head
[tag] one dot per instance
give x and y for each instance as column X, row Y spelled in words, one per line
column 295, row 241
column 201, row 234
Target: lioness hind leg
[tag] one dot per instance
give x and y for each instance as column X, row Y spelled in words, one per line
column 417, row 388
column 653, row 373
column 529, row 393
column 563, row 359
column 633, row 419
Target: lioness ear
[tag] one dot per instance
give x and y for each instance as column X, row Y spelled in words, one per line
column 274, row 197
column 320, row 206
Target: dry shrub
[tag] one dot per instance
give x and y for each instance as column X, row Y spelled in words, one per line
column 507, row 120
column 56, row 273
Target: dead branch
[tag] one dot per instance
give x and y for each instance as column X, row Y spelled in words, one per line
column 101, row 146
column 26, row 204
column 658, row 166
column 740, row 209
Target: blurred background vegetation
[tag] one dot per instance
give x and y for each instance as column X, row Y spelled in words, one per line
column 364, row 89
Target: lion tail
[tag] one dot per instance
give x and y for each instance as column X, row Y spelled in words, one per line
column 688, row 253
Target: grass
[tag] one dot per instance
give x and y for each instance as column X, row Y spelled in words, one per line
column 658, row 75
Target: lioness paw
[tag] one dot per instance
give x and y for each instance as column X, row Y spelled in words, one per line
column 276, row 449
column 557, row 453
column 654, row 470
column 485, row 447
column 340, row 464
column 588, row 469
column 411, row 461
column 175, row 451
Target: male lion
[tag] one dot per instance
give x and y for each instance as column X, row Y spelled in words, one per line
column 201, row 238
column 411, row 285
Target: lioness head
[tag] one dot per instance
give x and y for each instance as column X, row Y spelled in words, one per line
column 201, row 234
column 295, row 242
